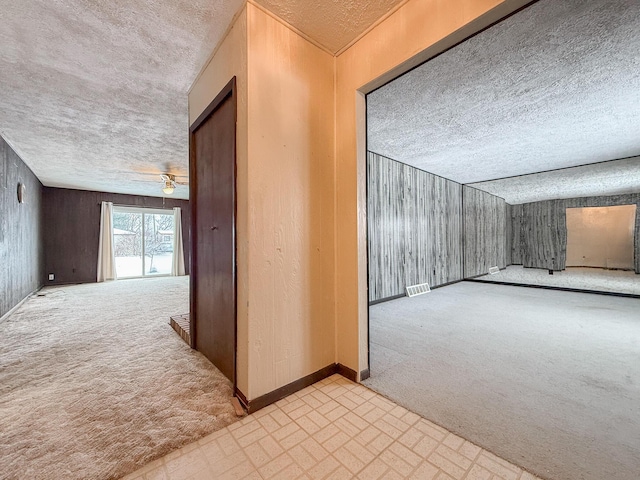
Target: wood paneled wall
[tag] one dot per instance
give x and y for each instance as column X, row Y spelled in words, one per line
column 71, row 230
column 516, row 234
column 414, row 228
column 508, row 247
column 540, row 229
column 21, row 254
column 486, row 243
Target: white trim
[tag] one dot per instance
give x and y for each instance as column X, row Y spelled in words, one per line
column 149, row 210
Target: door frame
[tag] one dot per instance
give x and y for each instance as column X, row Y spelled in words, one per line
column 492, row 17
column 228, row 91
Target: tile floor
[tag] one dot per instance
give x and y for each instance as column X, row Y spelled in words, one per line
column 335, row 429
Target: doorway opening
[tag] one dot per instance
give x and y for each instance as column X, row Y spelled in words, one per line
column 448, row 199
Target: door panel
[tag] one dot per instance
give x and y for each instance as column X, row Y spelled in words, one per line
column 213, row 271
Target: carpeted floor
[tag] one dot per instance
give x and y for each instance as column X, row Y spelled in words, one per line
column 94, row 383
column 548, row 380
column 597, row 279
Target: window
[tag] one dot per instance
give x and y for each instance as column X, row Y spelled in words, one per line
column 143, row 241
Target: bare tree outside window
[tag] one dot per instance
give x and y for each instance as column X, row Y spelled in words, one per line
column 143, row 242
column 157, row 228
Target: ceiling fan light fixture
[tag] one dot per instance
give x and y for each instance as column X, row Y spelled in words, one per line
column 169, row 182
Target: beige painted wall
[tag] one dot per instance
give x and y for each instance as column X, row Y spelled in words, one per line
column 291, row 205
column 229, row 60
column 285, row 235
column 601, row 237
column 302, row 276
column 417, row 31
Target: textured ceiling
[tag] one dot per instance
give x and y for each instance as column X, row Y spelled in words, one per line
column 553, row 86
column 334, row 24
column 608, row 178
column 93, row 95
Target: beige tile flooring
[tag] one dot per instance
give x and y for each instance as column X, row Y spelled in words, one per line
column 335, row 429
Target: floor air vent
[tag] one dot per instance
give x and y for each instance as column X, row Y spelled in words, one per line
column 494, row 270
column 414, row 290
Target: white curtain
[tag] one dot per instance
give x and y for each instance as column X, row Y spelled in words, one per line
column 106, row 252
column 177, row 267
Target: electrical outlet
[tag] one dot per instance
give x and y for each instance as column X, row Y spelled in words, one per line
column 51, row 276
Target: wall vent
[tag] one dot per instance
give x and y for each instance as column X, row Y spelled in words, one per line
column 420, row 289
column 494, row 270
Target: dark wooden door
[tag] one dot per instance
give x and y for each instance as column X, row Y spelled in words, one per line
column 213, row 260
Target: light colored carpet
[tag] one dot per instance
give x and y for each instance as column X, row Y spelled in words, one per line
column 94, row 383
column 548, row 380
column 598, row 279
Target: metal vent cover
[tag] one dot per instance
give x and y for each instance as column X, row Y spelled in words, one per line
column 419, row 289
column 494, row 270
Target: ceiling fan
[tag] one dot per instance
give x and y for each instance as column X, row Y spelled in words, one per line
column 169, row 183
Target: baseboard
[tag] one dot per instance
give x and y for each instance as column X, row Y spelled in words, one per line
column 346, row 372
column 19, row 304
column 561, row 289
column 395, row 297
column 364, row 374
column 267, row 399
column 387, row 299
column 242, row 398
column 479, row 275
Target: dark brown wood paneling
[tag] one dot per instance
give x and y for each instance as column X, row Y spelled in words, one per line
column 543, row 229
column 508, row 248
column 71, row 220
column 637, row 239
column 547, row 226
column 516, row 234
column 414, row 228
column 21, row 252
column 386, row 221
column 485, row 232
column 213, row 279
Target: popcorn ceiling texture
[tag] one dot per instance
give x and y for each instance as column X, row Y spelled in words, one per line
column 617, row 177
column 94, row 94
column 556, row 85
column 334, row 23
